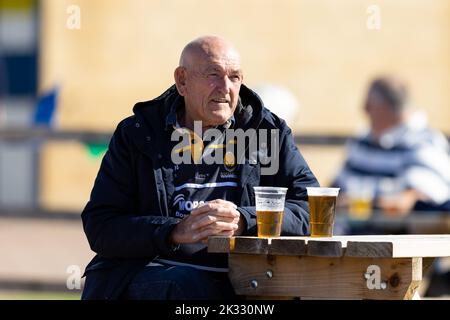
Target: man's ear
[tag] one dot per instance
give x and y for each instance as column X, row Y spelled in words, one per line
column 180, row 80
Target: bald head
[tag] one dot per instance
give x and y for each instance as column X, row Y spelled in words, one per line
column 209, row 78
column 208, row 48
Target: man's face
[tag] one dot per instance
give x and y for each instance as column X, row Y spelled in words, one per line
column 212, row 85
column 380, row 114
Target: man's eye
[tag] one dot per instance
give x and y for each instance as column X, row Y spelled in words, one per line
column 213, row 75
column 235, row 78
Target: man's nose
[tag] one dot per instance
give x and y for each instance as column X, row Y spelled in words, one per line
column 224, row 85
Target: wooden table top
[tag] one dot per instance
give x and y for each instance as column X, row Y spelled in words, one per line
column 368, row 246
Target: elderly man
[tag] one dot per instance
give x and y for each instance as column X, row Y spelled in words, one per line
column 149, row 215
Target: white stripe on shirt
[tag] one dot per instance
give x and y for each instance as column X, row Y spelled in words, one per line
column 206, row 185
column 195, row 266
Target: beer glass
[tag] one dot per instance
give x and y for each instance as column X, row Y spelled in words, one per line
column 269, row 210
column 360, row 193
column 322, row 210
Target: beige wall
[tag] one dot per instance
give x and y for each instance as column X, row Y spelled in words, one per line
column 319, row 49
column 67, row 174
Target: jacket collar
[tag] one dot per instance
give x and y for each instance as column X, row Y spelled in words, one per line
column 151, row 137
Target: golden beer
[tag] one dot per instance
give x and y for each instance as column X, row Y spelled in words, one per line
column 322, row 211
column 269, row 223
column 360, row 208
column 360, row 193
column 269, row 203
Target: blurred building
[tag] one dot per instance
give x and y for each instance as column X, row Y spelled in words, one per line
column 18, row 88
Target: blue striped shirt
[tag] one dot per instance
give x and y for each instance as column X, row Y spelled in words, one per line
column 402, row 158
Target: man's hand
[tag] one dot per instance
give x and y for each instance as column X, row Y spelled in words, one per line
column 215, row 218
column 401, row 204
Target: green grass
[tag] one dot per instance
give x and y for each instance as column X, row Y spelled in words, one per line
column 32, row 295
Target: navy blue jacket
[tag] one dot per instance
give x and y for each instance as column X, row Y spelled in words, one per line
column 127, row 220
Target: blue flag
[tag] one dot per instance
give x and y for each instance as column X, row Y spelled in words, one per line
column 46, row 108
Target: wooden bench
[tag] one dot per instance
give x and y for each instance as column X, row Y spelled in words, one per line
column 340, row 267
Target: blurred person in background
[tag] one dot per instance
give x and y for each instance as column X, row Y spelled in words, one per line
column 405, row 163
column 148, row 218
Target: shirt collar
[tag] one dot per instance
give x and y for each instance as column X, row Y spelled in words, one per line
column 392, row 136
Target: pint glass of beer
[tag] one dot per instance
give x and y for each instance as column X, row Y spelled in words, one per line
column 360, row 193
column 269, row 210
column 322, row 210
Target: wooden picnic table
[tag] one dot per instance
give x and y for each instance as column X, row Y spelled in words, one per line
column 341, row 267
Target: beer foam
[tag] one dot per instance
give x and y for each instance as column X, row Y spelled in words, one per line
column 318, row 191
column 270, row 190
